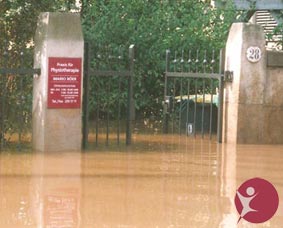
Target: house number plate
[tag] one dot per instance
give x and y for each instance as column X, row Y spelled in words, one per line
column 253, row 54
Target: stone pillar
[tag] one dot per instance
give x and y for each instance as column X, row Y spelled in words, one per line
column 57, row 92
column 243, row 115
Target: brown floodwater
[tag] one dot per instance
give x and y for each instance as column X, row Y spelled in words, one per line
column 159, row 181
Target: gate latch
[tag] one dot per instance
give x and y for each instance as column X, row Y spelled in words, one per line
column 168, row 104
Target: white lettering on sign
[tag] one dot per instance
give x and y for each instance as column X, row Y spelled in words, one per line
column 59, row 78
column 64, row 82
column 254, row 54
column 64, row 70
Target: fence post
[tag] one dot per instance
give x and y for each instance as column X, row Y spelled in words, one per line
column 220, row 96
column 130, row 108
column 86, row 96
column 3, row 81
column 165, row 105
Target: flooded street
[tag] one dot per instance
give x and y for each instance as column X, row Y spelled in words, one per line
column 159, row 181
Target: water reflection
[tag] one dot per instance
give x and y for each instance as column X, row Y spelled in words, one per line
column 160, row 181
column 40, row 190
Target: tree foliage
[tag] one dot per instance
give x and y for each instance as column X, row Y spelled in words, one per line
column 154, row 26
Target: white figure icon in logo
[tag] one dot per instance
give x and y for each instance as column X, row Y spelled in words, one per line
column 245, row 201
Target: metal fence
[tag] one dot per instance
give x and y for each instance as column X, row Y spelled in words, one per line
column 16, row 74
column 107, row 100
column 193, row 93
column 108, row 95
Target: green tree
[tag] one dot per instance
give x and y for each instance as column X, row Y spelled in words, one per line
column 154, row 26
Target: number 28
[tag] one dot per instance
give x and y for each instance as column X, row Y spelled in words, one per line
column 254, row 54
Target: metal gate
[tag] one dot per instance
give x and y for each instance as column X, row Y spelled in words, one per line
column 108, row 96
column 193, row 93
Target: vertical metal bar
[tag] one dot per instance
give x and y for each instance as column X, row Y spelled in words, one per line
column 181, row 93
column 220, row 98
column 203, row 96
column 180, row 111
column 1, row 112
column 220, row 110
column 188, row 105
column 119, row 111
column 130, row 108
column 173, row 106
column 97, row 81
column 211, row 108
column 86, row 86
column 188, row 93
column 196, row 91
column 119, row 100
column 195, row 109
column 202, row 108
column 174, row 94
column 97, row 107
column 128, row 124
column 3, row 93
column 211, row 96
column 108, row 95
column 108, row 110
column 166, row 105
column 20, row 99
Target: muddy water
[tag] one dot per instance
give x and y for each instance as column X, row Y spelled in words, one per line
column 160, row 181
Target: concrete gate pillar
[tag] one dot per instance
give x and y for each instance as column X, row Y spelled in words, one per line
column 243, row 107
column 57, row 92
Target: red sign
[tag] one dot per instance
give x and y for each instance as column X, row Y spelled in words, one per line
column 64, row 82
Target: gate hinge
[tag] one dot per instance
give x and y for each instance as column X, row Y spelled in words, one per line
column 228, row 76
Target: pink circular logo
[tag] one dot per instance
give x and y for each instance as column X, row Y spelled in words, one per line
column 256, row 200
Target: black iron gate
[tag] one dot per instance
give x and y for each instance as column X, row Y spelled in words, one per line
column 193, row 93
column 108, row 96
